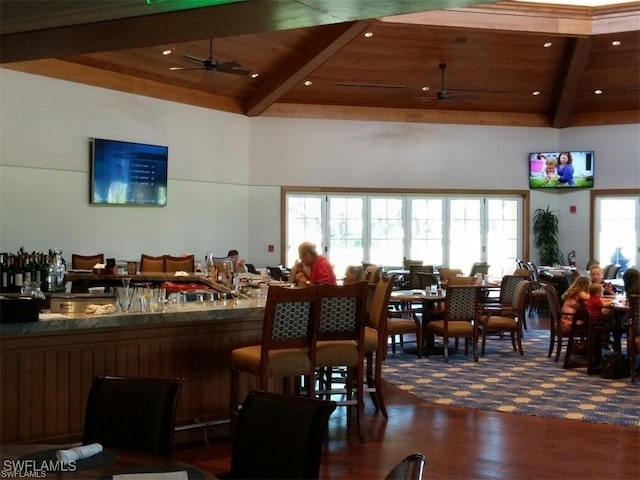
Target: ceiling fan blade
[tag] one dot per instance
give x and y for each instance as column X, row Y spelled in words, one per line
column 194, row 58
column 174, row 69
column 477, row 90
column 233, row 68
column 368, row 85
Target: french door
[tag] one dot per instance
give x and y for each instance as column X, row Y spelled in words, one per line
column 454, row 231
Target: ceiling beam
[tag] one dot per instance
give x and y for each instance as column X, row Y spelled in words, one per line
column 68, row 37
column 294, row 70
column 581, row 49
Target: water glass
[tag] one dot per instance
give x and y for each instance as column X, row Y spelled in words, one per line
column 124, row 297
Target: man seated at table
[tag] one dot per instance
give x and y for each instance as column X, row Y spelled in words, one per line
column 312, row 268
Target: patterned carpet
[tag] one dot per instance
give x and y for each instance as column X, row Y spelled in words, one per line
column 506, row 382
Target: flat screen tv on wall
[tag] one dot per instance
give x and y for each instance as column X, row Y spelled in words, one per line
column 127, row 173
column 569, row 169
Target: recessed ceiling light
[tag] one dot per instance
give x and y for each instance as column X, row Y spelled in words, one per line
column 255, row 75
column 426, row 88
column 535, row 93
column 616, row 43
column 547, row 44
column 598, row 92
column 368, row 34
column 308, row 83
column 168, row 51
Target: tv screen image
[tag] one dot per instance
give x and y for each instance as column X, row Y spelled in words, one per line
column 568, row 169
column 127, row 173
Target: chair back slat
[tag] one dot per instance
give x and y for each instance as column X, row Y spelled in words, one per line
column 508, row 288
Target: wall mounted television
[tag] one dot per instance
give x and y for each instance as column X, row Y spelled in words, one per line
column 127, row 173
column 568, row 169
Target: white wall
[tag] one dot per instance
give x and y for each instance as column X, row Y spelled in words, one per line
column 226, row 170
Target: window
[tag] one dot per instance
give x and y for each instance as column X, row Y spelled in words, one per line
column 616, row 228
column 383, row 229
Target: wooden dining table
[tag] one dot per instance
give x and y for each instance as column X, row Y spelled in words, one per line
column 39, row 461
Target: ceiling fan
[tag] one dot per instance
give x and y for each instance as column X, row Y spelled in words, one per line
column 446, row 95
column 210, row 64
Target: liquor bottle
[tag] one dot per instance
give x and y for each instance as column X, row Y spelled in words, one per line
column 18, row 275
column 3, row 272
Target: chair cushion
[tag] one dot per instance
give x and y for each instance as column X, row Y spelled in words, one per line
column 456, row 329
column 499, row 322
column 400, row 325
column 282, row 363
column 333, row 353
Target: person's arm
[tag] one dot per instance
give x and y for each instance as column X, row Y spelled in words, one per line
column 567, row 175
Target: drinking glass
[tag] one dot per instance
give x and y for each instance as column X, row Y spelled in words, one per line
column 123, row 297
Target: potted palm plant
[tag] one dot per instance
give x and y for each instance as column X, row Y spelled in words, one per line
column 545, row 236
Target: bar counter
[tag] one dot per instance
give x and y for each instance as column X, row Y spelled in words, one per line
column 47, row 366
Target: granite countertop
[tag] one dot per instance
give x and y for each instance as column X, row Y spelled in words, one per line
column 190, row 312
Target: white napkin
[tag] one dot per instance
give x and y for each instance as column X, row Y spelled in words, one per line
column 78, row 453
column 181, row 475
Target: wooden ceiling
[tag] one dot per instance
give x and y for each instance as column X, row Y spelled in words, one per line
column 494, row 54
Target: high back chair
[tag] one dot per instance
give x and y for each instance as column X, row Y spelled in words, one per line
column 287, row 348
column 129, row 413
column 633, row 336
column 459, row 281
column 279, row 437
column 151, row 264
column 408, row 263
column 340, row 339
column 86, row 262
column 460, row 312
column 375, row 339
column 414, row 274
column 479, row 267
column 372, row 273
column 558, row 331
column 447, row 273
column 589, row 328
column 184, row 263
column 353, row 274
column 508, row 319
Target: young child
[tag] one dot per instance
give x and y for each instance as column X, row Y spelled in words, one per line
column 551, row 171
column 594, row 304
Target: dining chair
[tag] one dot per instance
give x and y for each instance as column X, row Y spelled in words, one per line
column 538, row 296
column 460, row 319
column 459, row 281
column 341, row 319
column 589, row 329
column 86, row 262
column 375, row 339
column 353, row 274
column 287, row 348
column 447, row 273
column 479, row 267
column 633, row 334
column 508, row 319
column 410, row 468
column 408, row 263
column 504, row 302
column 558, row 331
column 414, row 274
column 151, row 264
column 279, row 437
column 132, row 413
column 372, row 273
column 183, row 263
column 405, row 321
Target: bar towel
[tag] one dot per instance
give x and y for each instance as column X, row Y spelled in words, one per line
column 78, row 453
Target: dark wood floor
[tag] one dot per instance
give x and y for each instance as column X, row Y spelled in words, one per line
column 463, row 443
